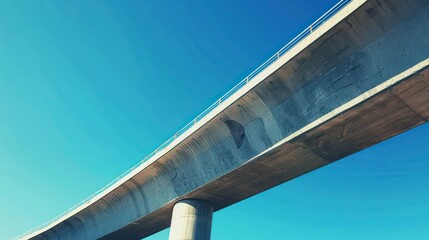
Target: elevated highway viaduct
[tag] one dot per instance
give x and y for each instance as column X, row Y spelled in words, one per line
column 359, row 78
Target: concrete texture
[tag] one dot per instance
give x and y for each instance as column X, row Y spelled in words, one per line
column 359, row 79
column 192, row 220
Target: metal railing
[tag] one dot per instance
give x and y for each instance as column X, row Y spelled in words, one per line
column 309, row 30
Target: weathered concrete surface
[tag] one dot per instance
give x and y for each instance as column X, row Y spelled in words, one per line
column 191, row 220
column 362, row 81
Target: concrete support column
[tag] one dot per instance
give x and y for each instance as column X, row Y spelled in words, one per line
column 192, row 220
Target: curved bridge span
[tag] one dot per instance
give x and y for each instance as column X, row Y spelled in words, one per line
column 356, row 77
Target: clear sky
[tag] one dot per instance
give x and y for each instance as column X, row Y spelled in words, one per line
column 88, row 88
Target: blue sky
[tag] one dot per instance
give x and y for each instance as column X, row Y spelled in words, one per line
column 88, row 88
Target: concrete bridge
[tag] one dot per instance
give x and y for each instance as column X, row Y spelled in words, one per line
column 356, row 79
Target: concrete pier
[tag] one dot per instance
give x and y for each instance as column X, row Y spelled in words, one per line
column 192, row 220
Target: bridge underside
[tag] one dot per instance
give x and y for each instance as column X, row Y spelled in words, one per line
column 385, row 115
column 394, row 110
column 362, row 81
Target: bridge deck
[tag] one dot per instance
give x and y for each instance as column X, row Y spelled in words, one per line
column 358, row 79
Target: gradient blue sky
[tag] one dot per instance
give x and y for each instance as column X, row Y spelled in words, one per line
column 88, row 88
